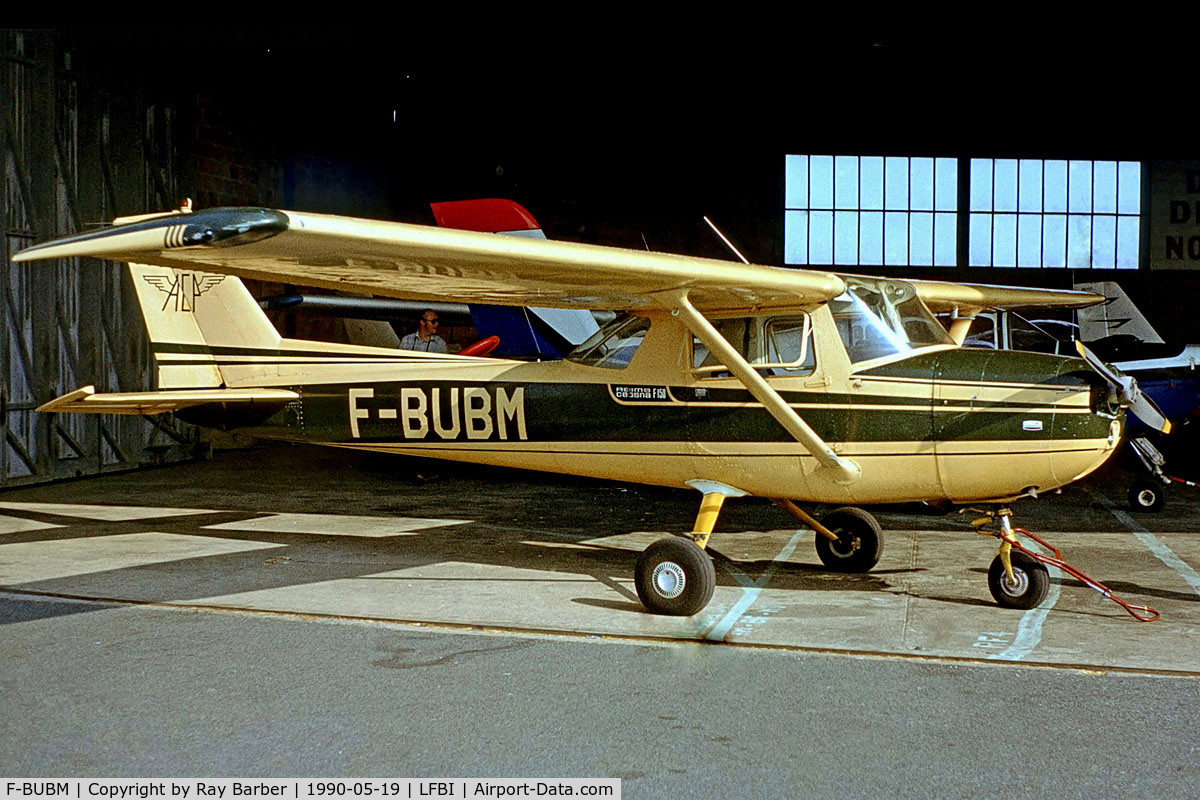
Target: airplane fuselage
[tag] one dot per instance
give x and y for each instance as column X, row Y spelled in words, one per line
column 940, row 423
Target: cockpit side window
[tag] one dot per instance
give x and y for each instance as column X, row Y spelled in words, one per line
column 735, row 330
column 789, row 341
column 613, row 346
column 775, row 345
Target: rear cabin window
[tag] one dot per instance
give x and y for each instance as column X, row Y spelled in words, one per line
column 613, row 346
column 982, row 333
column 781, row 345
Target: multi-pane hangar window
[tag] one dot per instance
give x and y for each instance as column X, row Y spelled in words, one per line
column 1033, row 213
column 905, row 211
column 872, row 210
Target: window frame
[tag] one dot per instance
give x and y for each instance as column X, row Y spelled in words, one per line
column 1068, row 206
column 801, row 367
column 1108, row 229
column 905, row 222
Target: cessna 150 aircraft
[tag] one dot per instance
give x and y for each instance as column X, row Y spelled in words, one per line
column 733, row 379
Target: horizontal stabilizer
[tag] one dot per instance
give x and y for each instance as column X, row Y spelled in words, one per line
column 86, row 401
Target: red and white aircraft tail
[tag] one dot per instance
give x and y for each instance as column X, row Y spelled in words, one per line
column 518, row 335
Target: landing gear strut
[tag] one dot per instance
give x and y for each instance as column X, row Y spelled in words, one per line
column 674, row 576
column 1015, row 579
column 1018, row 577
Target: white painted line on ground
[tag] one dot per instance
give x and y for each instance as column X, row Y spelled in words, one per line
column 31, row 562
column 105, row 513
column 750, row 589
column 335, row 525
column 1168, row 557
column 1029, row 629
column 1156, row 546
column 15, row 525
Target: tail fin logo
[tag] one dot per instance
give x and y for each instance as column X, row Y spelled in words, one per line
column 184, row 289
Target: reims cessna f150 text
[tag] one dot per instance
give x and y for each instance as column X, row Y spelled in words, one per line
column 732, row 379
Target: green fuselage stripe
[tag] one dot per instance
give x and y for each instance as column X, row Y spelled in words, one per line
column 497, row 411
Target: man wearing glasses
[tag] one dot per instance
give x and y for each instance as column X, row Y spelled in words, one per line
column 425, row 337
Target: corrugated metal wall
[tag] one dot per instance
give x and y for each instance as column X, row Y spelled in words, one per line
column 75, row 153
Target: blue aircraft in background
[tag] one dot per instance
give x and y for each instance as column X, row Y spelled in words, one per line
column 1118, row 334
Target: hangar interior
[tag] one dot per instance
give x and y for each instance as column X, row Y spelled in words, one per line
column 886, row 155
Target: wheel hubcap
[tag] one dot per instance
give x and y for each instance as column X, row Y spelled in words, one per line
column 846, row 545
column 1019, row 584
column 1145, row 498
column 668, row 580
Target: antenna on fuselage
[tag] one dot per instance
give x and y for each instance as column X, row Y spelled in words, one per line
column 728, row 243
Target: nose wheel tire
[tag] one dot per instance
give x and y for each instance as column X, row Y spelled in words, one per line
column 1146, row 496
column 1029, row 588
column 674, row 576
column 859, row 544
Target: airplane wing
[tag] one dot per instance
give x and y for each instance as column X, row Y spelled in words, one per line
column 968, row 298
column 86, row 400
column 395, row 259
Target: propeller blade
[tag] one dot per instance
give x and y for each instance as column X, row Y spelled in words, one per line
column 1145, row 409
column 1130, row 394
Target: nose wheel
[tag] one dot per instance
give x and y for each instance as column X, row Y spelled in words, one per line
column 1028, row 586
column 1015, row 578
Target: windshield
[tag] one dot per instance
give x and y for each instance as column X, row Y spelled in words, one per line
column 883, row 318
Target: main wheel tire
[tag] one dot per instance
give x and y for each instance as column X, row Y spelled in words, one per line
column 859, row 544
column 1032, row 582
column 675, row 576
column 1147, row 496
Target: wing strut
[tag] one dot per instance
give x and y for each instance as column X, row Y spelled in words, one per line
column 842, row 470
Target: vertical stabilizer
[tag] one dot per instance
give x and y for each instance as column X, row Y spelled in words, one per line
column 1116, row 315
column 556, row 331
column 196, row 320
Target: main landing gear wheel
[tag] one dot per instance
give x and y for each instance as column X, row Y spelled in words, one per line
column 675, row 576
column 1146, row 496
column 1032, row 581
column 859, row 544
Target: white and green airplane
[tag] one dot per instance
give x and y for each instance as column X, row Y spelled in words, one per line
column 798, row 385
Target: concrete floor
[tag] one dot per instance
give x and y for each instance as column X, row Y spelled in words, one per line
column 300, row 612
column 301, row 530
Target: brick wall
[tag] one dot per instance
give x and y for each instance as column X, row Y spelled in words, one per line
column 232, row 166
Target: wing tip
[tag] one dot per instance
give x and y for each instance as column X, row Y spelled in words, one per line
column 70, row 398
